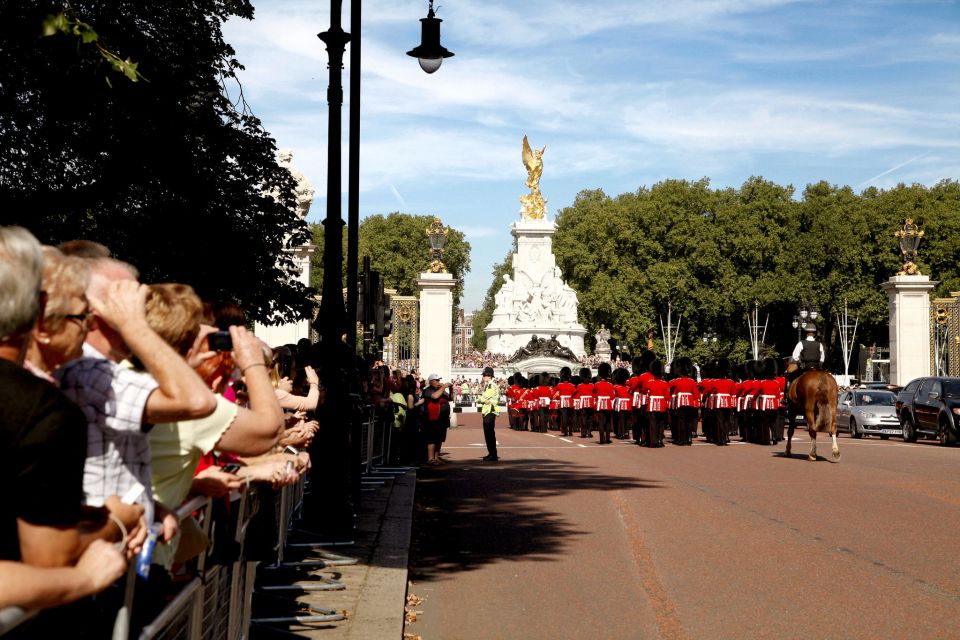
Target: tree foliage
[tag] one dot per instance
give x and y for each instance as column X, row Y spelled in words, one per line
column 712, row 254
column 167, row 171
column 484, row 316
column 399, row 249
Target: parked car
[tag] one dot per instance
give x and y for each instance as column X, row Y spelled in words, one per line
column 864, row 412
column 930, row 407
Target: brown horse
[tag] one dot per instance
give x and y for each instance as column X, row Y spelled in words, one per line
column 814, row 393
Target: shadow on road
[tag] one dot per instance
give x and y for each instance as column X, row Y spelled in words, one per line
column 468, row 514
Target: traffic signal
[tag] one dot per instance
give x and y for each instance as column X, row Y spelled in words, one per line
column 387, row 317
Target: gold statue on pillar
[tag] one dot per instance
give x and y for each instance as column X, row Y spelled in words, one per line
column 909, row 237
column 532, row 205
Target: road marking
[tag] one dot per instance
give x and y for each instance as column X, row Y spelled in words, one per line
column 582, row 445
column 565, row 440
column 551, row 435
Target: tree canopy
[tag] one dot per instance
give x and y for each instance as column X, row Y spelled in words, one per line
column 398, row 248
column 168, row 171
column 712, row 253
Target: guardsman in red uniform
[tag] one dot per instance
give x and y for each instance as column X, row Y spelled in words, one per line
column 585, row 396
column 685, row 398
column 637, row 384
column 768, row 402
column 724, row 400
column 564, row 392
column 657, row 391
column 603, row 391
column 512, row 390
column 622, row 403
column 707, row 415
column 523, row 416
column 544, row 393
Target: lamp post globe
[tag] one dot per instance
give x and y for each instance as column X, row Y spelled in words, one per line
column 430, row 53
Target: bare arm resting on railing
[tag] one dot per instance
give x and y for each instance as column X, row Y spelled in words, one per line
column 30, row 587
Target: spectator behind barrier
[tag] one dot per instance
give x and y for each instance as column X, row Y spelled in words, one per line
column 174, row 311
column 42, row 441
column 60, row 332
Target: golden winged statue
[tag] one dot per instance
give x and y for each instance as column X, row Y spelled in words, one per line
column 533, row 205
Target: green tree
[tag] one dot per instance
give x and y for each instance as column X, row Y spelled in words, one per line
column 169, row 172
column 483, row 316
column 398, row 248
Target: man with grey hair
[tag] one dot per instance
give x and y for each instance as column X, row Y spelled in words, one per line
column 42, row 445
column 120, row 404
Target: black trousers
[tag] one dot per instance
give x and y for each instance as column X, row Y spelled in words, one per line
column 489, row 420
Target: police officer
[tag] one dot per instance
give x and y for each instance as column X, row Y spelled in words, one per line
column 809, row 353
column 489, row 401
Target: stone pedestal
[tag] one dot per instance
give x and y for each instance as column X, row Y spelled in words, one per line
column 289, row 333
column 535, row 301
column 909, row 326
column 436, row 324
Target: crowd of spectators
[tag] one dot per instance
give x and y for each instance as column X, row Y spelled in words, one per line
column 477, row 360
column 118, row 402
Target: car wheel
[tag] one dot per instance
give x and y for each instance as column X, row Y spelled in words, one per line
column 944, row 435
column 909, row 433
column 854, row 432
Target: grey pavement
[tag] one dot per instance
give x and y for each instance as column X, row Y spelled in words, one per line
column 375, row 588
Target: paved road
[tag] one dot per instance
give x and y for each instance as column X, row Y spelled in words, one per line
column 564, row 538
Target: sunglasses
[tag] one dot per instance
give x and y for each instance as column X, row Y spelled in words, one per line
column 82, row 317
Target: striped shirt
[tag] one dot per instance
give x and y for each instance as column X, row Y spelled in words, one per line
column 113, row 399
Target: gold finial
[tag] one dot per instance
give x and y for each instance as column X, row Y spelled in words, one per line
column 438, row 238
column 909, row 237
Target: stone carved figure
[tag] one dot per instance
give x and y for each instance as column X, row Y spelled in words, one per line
column 603, row 335
column 541, row 347
column 504, row 297
column 304, row 191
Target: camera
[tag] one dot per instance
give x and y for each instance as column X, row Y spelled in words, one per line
column 220, row 341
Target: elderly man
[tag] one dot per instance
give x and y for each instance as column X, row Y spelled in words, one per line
column 42, row 442
column 120, row 404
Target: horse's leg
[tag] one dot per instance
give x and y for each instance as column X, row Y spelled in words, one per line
column 792, row 425
column 812, row 430
column 833, row 434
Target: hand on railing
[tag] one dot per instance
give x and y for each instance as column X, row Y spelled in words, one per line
column 215, row 482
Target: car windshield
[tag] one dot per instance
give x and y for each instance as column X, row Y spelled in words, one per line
column 876, row 398
column 951, row 388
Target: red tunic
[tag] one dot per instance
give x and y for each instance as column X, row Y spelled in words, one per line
column 684, row 393
column 724, row 390
column 658, row 395
column 623, row 401
column 604, row 392
column 564, row 392
column 585, row 395
column 768, row 398
column 544, row 393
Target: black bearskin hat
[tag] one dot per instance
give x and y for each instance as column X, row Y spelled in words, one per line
column 603, row 371
column 656, row 368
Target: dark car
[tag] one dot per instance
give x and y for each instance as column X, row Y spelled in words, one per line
column 930, row 408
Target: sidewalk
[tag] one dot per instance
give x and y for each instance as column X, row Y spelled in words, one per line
column 376, row 587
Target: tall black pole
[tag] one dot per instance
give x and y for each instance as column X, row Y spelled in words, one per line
column 330, row 504
column 353, row 176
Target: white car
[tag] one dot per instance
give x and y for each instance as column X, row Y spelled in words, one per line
column 868, row 412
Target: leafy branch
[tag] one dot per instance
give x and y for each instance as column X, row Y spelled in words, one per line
column 68, row 23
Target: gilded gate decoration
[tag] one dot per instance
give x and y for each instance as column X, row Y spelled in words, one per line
column 945, row 335
column 402, row 347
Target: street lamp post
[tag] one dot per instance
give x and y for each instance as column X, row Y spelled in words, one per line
column 671, row 334
column 753, row 325
column 336, row 488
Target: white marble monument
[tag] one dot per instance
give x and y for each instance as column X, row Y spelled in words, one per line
column 292, row 332
column 909, row 305
column 534, row 300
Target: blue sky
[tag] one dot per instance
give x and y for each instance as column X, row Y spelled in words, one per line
column 624, row 94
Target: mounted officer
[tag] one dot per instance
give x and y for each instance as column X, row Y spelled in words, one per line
column 809, row 353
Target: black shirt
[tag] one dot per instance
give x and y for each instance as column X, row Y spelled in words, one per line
column 43, row 445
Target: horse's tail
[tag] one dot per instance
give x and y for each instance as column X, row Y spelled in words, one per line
column 827, row 405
